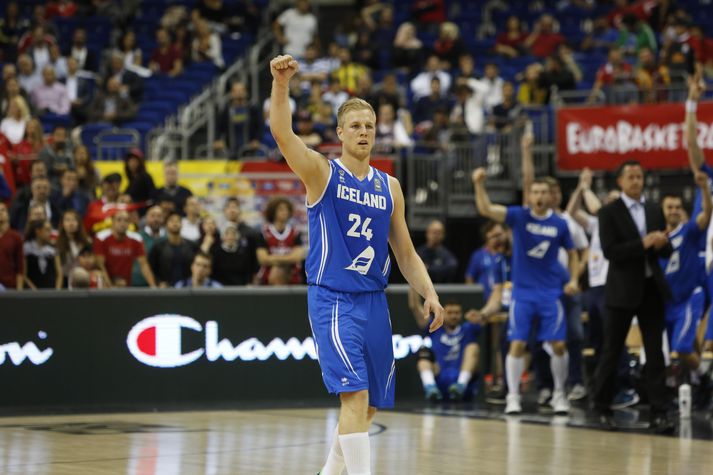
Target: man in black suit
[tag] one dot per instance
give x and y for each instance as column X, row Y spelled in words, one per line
column 631, row 230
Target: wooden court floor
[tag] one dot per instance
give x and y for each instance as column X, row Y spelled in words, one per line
column 292, row 441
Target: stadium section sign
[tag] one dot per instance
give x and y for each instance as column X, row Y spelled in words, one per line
column 603, row 137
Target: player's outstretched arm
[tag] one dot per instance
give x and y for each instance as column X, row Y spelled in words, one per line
column 528, row 164
column 409, row 262
column 310, row 166
column 696, row 87
column 482, row 200
column 704, row 216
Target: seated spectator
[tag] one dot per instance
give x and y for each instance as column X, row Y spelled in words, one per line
column 130, row 83
column 87, row 174
column 99, row 211
column 206, row 45
column 15, row 122
column 305, row 130
column 36, row 44
column 652, row 78
column 58, row 63
column 508, row 113
column 170, row 258
column 408, row 49
column 492, row 85
column 566, row 54
column 12, row 91
column 555, row 74
column 141, row 187
column 239, row 123
column 166, row 57
column 235, row 259
column 426, row 106
column 210, row 235
column 438, row 135
column 118, row 248
column 295, row 28
column 429, row 12
column 511, row 42
column 133, row 56
column 603, row 36
column 56, row 155
column 80, row 90
column 86, row 59
column 220, row 16
column 60, row 8
column 530, row 92
column 70, row 241
column 635, row 34
column 79, row 278
column 543, row 41
column 171, row 190
column 466, row 69
column 421, row 84
column 335, row 94
column 9, row 71
column 283, row 254
column 40, row 196
column 11, row 25
column 349, row 72
column 51, row 95
column 28, row 76
column 69, row 196
column 365, row 51
column 313, row 68
column 190, row 225
column 449, row 46
column 467, row 116
column 112, row 106
column 12, row 258
column 40, row 267
column 152, row 231
column 393, row 132
column 440, row 262
column 87, row 260
column 616, row 80
column 231, row 213
column 388, row 92
column 201, row 269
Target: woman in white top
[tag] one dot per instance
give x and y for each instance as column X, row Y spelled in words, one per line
column 14, row 124
column 133, row 56
column 207, row 45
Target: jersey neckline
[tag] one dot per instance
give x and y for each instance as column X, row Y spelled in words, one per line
column 368, row 177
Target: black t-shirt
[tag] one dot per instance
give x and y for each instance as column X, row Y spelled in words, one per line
column 238, row 266
column 177, row 196
column 171, row 263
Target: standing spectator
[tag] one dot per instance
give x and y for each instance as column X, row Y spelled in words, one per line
column 421, row 84
column 282, row 256
column 485, row 264
column 166, row 57
column 201, row 269
column 171, row 190
column 152, row 232
column 616, row 78
column 313, row 68
column 51, row 95
column 78, row 50
column 190, row 225
column 296, row 28
column 87, row 174
column 239, row 122
column 40, row 267
column 206, row 45
column 543, row 41
column 20, row 210
column 467, row 114
column 56, row 155
column 407, row 48
column 170, row 258
column 112, row 106
column 235, row 259
column 449, row 46
column 511, row 42
column 118, row 248
column 98, row 212
column 141, row 187
column 14, row 124
column 69, row 196
column 28, row 76
column 210, row 235
column 492, row 86
column 440, row 262
column 70, row 241
column 555, row 75
column 12, row 258
column 506, row 114
column 131, row 84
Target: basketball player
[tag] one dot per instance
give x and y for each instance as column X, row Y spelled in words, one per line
column 354, row 213
column 538, row 233
column 684, row 273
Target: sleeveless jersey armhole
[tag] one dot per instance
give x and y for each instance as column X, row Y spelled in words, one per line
column 329, row 179
column 388, row 184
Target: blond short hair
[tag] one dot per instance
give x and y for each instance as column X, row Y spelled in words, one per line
column 352, row 104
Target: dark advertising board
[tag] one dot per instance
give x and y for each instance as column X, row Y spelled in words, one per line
column 176, row 347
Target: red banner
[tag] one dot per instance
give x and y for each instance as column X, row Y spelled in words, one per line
column 603, row 137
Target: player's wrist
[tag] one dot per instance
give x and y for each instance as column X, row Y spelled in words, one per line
column 691, row 106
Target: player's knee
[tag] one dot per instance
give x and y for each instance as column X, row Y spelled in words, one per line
column 357, row 401
column 559, row 347
column 517, row 348
column 426, row 354
column 371, row 412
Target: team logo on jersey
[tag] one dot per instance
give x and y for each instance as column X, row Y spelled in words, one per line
column 377, row 185
column 341, row 176
column 362, row 262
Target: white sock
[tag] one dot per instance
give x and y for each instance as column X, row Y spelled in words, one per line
column 357, row 453
column 335, row 459
column 464, row 377
column 705, row 365
column 558, row 366
column 427, row 377
column 513, row 371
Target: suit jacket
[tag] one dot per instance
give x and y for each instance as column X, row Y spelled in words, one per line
column 622, row 245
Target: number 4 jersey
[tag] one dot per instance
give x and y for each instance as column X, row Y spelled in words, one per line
column 536, row 272
column 683, row 269
column 349, row 232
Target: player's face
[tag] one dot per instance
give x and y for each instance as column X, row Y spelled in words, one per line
column 454, row 315
column 496, row 239
column 631, row 181
column 672, row 211
column 357, row 133
column 539, row 197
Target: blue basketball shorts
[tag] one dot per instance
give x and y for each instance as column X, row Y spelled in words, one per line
column 682, row 321
column 553, row 325
column 445, row 378
column 352, row 334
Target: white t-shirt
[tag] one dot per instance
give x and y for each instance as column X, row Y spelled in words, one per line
column 579, row 239
column 299, row 30
column 190, row 231
column 598, row 265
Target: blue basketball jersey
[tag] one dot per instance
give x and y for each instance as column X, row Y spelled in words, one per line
column 536, row 272
column 448, row 346
column 705, row 168
column 683, row 268
column 486, row 269
column 349, row 232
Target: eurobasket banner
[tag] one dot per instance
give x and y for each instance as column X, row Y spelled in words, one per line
column 601, row 138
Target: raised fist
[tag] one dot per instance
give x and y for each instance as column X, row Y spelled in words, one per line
column 283, row 67
column 479, row 175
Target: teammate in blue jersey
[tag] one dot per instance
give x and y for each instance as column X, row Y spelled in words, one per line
column 447, row 367
column 355, row 212
column 697, row 161
column 538, row 234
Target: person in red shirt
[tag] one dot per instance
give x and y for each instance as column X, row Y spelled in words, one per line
column 281, row 260
column 98, row 211
column 166, row 58
column 12, row 257
column 511, row 42
column 616, row 77
column 60, row 8
column 543, row 41
column 117, row 249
